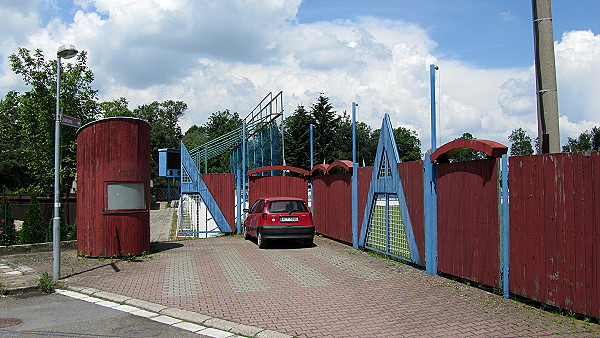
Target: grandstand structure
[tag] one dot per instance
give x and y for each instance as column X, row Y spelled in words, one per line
column 258, row 142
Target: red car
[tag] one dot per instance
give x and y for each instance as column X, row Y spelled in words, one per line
column 279, row 218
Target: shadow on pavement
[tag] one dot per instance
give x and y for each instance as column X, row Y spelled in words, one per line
column 157, row 247
column 284, row 244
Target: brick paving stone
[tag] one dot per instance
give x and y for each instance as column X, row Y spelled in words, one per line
column 326, row 290
column 181, row 277
column 241, row 276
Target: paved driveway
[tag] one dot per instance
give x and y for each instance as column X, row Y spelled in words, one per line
column 326, row 290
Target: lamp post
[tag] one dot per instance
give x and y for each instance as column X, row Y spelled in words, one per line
column 66, row 52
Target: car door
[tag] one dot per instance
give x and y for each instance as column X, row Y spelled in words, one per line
column 253, row 218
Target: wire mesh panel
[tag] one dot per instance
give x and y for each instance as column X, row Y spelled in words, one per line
column 377, row 234
column 386, row 232
column 398, row 241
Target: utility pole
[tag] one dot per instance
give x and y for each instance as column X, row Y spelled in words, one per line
column 545, row 76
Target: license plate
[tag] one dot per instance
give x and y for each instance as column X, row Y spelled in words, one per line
column 288, row 218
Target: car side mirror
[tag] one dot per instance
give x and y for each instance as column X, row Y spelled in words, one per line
column 246, row 210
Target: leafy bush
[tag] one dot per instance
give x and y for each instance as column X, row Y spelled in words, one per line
column 34, row 229
column 65, row 231
column 8, row 232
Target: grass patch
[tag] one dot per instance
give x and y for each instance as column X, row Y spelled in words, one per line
column 173, row 225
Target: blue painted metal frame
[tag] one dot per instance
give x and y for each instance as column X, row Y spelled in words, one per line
column 198, row 186
column 430, row 216
column 354, row 181
column 238, row 184
column 388, row 185
column 430, row 190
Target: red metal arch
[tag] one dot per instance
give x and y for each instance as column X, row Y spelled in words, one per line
column 343, row 164
column 321, row 167
column 278, row 167
column 490, row 148
column 327, row 168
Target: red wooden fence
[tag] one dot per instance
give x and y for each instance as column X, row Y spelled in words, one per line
column 554, row 222
column 222, row 187
column 468, row 221
column 332, row 203
column 555, row 230
column 411, row 174
column 272, row 186
column 364, row 180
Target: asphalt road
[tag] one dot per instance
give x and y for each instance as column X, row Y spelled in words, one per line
column 53, row 315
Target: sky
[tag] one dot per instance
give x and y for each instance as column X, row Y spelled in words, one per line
column 228, row 54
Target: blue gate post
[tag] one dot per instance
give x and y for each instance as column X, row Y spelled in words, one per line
column 354, row 181
column 430, row 194
column 244, row 145
column 505, row 230
column 311, row 146
column 238, row 183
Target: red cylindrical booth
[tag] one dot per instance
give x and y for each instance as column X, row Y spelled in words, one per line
column 113, row 187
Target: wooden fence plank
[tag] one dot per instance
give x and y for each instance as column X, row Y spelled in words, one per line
column 554, row 229
column 412, row 182
column 468, row 221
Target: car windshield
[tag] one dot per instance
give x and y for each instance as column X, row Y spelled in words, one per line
column 286, row 206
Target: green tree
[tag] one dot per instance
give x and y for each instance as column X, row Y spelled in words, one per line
column 34, row 230
column 409, row 144
column 297, row 138
column 366, row 144
column 194, row 137
column 587, row 140
column 219, row 123
column 118, row 107
column 14, row 172
column 326, row 125
column 407, row 141
column 582, row 143
column 28, row 143
column 595, row 138
column 7, row 224
column 165, row 132
column 341, row 139
column 520, row 143
column 222, row 122
column 334, row 133
column 467, row 154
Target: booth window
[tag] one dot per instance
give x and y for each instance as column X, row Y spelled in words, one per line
column 125, row 196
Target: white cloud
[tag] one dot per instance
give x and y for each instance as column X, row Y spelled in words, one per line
column 507, row 16
column 19, row 18
column 228, row 54
column 577, row 57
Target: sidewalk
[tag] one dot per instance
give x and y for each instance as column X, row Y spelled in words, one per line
column 17, row 278
column 327, row 290
column 160, row 223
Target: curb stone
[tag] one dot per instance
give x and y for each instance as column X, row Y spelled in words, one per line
column 241, row 330
column 18, row 279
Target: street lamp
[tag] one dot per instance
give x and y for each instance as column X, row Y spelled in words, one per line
column 66, row 52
